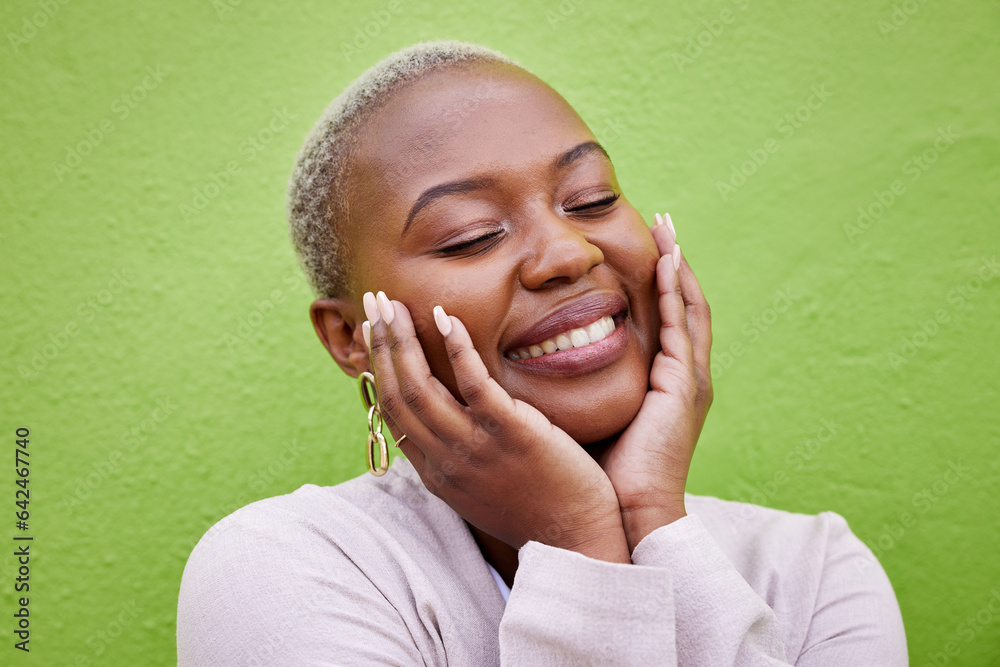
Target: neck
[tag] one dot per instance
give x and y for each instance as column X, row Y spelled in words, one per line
column 500, row 555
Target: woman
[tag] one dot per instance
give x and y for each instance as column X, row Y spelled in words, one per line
column 542, row 358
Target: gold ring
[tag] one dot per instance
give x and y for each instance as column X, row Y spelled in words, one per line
column 401, row 440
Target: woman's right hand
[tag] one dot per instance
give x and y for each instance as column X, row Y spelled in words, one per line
column 497, row 461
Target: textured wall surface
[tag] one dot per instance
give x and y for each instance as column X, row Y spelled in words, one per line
column 832, row 170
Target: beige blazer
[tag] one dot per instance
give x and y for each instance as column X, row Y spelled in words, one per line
column 379, row 571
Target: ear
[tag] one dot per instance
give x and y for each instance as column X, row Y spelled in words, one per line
column 338, row 326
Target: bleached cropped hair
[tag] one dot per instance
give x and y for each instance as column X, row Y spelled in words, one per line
column 317, row 206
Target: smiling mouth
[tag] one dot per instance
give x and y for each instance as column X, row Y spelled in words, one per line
column 577, row 337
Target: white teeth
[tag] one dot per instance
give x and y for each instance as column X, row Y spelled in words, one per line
column 580, row 337
column 609, row 326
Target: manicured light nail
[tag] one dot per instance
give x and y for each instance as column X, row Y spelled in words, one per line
column 677, row 257
column 670, row 224
column 385, row 307
column 371, row 308
column 659, row 220
column 442, row 321
column 366, row 331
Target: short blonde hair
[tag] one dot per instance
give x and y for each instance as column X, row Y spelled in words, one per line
column 317, row 205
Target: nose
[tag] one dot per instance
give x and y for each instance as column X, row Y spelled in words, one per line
column 561, row 253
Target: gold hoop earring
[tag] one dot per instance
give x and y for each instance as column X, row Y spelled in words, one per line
column 369, row 396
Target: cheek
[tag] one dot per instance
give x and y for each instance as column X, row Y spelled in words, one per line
column 480, row 303
column 634, row 256
column 628, row 246
column 639, row 256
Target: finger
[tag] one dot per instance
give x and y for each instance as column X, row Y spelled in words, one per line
column 394, row 408
column 416, row 438
column 665, row 221
column 413, row 453
column 675, row 341
column 663, row 235
column 699, row 316
column 410, row 448
column 479, row 391
column 674, row 337
column 424, row 395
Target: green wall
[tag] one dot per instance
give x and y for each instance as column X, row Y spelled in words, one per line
column 155, row 332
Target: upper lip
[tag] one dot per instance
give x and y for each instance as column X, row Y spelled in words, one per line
column 580, row 312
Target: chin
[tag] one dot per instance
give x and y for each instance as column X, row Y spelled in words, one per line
column 594, row 407
column 602, row 419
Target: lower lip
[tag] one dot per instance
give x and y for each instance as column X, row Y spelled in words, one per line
column 580, row 360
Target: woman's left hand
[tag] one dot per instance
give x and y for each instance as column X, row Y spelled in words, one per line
column 649, row 463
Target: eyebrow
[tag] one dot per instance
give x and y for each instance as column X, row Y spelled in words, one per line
column 579, row 151
column 562, row 161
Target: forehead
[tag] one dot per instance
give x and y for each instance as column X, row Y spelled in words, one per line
column 454, row 123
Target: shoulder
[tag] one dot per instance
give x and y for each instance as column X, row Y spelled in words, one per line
column 776, row 550
column 311, row 574
column 753, row 532
column 353, row 515
column 811, row 569
column 313, row 565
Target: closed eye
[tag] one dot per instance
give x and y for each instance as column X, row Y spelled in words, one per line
column 471, row 243
column 601, row 203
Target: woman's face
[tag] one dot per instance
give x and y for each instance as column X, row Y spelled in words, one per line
column 482, row 191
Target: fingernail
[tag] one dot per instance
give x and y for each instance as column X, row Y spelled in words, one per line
column 677, row 257
column 366, row 331
column 442, row 321
column 659, row 220
column 670, row 224
column 371, row 309
column 385, row 307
